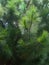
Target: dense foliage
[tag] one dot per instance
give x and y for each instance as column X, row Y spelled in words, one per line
column 24, row 32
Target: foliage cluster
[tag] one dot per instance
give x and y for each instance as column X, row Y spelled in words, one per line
column 24, row 32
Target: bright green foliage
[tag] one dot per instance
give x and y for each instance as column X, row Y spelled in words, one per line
column 43, row 36
column 1, row 11
column 24, row 32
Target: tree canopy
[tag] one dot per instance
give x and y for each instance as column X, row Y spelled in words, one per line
column 24, row 32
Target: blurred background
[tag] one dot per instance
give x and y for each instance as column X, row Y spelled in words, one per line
column 24, row 32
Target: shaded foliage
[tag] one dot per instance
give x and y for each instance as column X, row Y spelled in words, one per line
column 24, row 32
